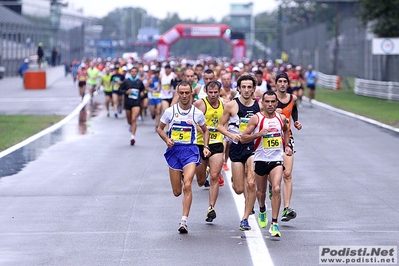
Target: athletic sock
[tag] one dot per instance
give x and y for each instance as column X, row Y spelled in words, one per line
column 262, row 209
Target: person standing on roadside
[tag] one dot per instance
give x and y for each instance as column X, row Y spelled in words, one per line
column 132, row 87
column 40, row 54
column 182, row 154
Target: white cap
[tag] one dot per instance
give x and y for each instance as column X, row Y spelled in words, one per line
column 145, row 68
column 240, row 65
column 254, row 69
column 124, row 68
column 236, row 69
column 298, row 68
column 26, row 60
column 153, row 67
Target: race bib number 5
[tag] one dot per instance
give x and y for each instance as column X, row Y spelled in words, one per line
column 181, row 134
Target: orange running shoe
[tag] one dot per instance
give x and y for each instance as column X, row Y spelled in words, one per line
column 221, row 180
column 225, row 167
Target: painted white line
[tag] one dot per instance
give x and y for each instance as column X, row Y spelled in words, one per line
column 365, row 119
column 48, row 130
column 257, row 247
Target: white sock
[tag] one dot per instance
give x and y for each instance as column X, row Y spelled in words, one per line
column 184, row 218
column 132, row 137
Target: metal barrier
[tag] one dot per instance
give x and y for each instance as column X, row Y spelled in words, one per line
column 388, row 90
column 328, row 81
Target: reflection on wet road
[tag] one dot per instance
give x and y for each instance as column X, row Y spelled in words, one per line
column 14, row 162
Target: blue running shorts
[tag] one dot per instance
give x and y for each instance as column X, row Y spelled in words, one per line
column 179, row 156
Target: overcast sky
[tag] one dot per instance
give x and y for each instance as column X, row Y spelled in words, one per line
column 159, row 8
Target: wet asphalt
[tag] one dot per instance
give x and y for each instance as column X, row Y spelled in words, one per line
column 83, row 196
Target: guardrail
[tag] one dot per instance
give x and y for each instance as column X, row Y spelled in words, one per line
column 387, row 90
column 328, row 81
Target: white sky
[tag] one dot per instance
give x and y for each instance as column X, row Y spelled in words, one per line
column 200, row 9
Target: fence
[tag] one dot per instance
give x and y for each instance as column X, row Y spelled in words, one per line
column 328, row 81
column 378, row 89
column 313, row 45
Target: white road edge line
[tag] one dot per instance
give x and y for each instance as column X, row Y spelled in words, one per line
column 365, row 119
column 257, row 247
column 48, row 130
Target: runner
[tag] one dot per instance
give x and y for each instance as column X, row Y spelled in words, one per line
column 269, row 130
column 155, row 97
column 166, row 88
column 117, row 79
column 182, row 154
column 82, row 77
column 93, row 75
column 286, row 104
column 311, row 79
column 209, row 76
column 132, row 88
column 236, row 115
column 227, row 93
column 106, row 82
column 212, row 107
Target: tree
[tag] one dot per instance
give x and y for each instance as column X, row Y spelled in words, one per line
column 383, row 16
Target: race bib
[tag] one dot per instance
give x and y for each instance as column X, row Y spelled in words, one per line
column 271, row 141
column 181, row 134
column 134, row 94
column 243, row 124
column 156, row 94
column 165, row 87
column 214, row 135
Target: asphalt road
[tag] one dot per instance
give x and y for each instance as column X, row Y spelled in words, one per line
column 92, row 199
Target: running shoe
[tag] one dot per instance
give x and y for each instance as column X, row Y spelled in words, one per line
column 288, row 214
column 116, row 115
column 207, row 184
column 270, row 191
column 244, row 225
column 210, row 215
column 225, row 167
column 183, row 227
column 253, row 210
column 274, row 230
column 221, row 180
column 120, row 109
column 132, row 142
column 262, row 219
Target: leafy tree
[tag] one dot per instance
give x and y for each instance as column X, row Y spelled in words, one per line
column 383, row 15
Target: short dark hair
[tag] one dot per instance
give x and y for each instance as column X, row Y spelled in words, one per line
column 270, row 93
column 259, row 72
column 168, row 66
column 209, row 71
column 183, row 83
column 246, row 77
column 213, row 84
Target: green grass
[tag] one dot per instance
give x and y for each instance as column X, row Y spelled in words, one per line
column 381, row 110
column 16, row 128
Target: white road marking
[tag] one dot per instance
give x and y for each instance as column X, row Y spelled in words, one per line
column 48, row 130
column 257, row 247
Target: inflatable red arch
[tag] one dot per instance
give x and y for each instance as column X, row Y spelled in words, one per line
column 199, row 31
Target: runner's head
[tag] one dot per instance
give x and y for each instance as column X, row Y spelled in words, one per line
column 269, row 102
column 184, row 90
column 209, row 76
column 246, row 85
column 282, row 82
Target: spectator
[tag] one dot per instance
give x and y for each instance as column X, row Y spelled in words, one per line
column 24, row 66
column 40, row 54
column 54, row 54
